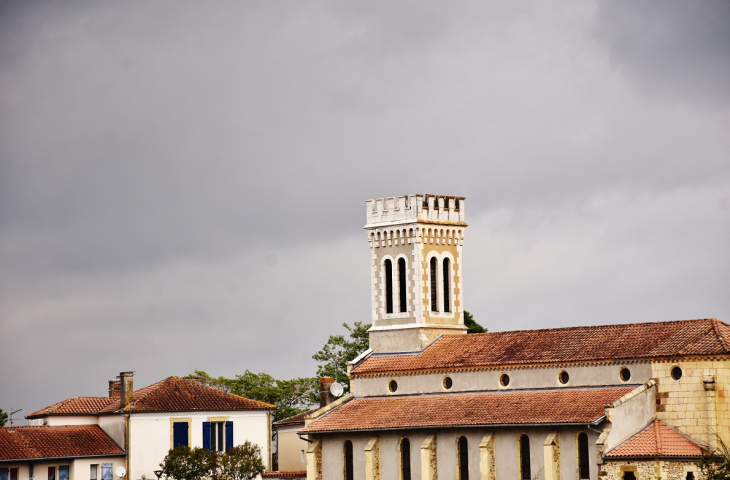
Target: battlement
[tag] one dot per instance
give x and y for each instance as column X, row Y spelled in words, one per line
column 414, row 208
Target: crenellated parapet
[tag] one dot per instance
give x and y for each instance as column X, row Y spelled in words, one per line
column 414, row 208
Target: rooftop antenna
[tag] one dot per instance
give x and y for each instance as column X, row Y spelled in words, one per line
column 11, row 417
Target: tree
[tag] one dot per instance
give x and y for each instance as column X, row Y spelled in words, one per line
column 338, row 350
column 715, row 465
column 290, row 396
column 3, row 417
column 242, row 462
column 471, row 324
column 185, row 463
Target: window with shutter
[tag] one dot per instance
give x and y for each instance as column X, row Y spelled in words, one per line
column 206, row 435
column 4, row 474
column 180, row 434
column 63, row 472
column 229, row 435
column 106, row 471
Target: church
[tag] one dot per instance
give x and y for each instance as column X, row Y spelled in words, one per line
column 427, row 401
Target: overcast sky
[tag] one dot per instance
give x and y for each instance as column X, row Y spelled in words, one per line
column 182, row 184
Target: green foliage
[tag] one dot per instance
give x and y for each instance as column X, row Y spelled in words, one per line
column 339, row 350
column 290, row 396
column 471, row 324
column 716, row 465
column 184, row 463
column 3, row 417
column 242, row 462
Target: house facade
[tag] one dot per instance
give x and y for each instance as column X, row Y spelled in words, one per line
column 632, row 401
column 148, row 422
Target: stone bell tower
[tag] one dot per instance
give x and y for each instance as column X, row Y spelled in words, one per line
column 415, row 244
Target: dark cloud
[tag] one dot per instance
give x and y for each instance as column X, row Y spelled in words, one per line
column 182, row 185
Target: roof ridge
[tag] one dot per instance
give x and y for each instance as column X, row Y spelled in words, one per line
column 657, row 435
column 715, row 328
column 588, row 327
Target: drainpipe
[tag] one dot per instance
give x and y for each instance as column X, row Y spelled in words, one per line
column 708, row 380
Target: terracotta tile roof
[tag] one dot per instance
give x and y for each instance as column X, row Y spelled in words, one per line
column 295, row 419
column 656, row 440
column 74, row 406
column 286, row 474
column 560, row 345
column 175, row 394
column 56, row 442
column 526, row 407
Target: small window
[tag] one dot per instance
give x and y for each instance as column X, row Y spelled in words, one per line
column 583, row 465
column 625, row 374
column 51, row 473
column 392, row 386
column 676, row 373
column 463, row 447
column 13, row 474
column 349, row 467
column 504, row 379
column 434, row 292
column 94, row 471
column 629, row 475
column 525, row 457
column 405, row 459
column 563, row 377
column 388, row 286
column 690, row 476
column 402, row 277
column 447, row 383
column 447, row 288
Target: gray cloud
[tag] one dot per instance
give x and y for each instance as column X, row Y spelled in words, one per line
column 182, row 185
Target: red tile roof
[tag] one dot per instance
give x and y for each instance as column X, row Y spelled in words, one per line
column 74, row 406
column 175, row 394
column 286, row 474
column 560, row 345
column 295, row 419
column 656, row 440
column 524, row 407
column 56, row 442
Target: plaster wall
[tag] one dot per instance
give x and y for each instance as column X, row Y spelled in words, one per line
column 113, row 425
column 488, row 380
column 151, row 436
column 53, row 420
column 631, row 415
column 290, row 448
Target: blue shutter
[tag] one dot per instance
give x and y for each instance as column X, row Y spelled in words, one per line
column 229, row 435
column 206, row 435
column 106, row 471
column 4, row 474
column 179, row 434
column 63, row 472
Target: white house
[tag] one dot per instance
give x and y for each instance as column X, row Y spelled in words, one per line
column 148, row 422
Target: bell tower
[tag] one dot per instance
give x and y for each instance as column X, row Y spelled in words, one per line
column 415, row 270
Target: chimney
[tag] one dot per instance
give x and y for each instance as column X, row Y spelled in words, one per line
column 325, row 397
column 126, row 390
column 114, row 389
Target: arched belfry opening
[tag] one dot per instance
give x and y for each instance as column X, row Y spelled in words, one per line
column 416, row 269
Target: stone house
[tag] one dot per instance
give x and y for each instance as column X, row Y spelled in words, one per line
column 631, row 401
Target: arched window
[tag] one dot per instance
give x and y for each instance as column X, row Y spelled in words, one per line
column 583, row 466
column 463, row 451
column 525, row 457
column 405, row 459
column 349, row 468
column 402, row 284
column 388, row 286
column 447, row 276
column 434, row 292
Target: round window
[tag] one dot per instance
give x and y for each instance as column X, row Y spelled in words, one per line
column 676, row 373
column 392, row 386
column 504, row 379
column 448, row 383
column 625, row 374
column 563, row 377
